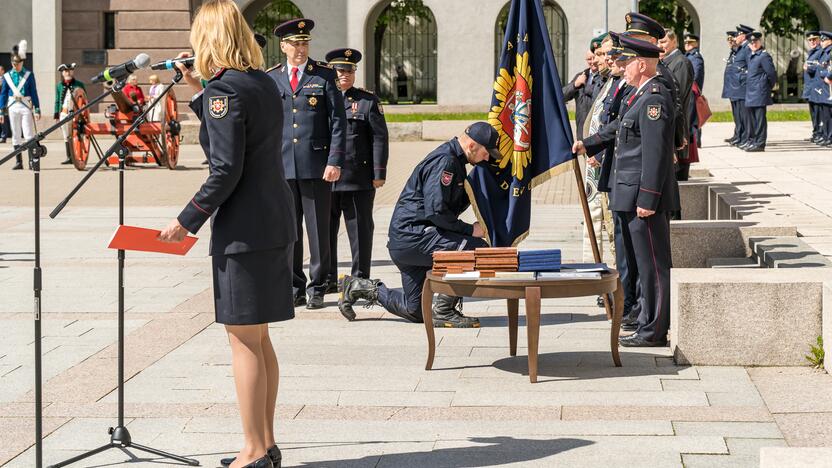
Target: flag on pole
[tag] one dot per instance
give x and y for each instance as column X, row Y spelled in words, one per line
column 528, row 112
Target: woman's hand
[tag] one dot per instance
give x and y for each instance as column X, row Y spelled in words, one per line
column 173, row 233
column 192, row 80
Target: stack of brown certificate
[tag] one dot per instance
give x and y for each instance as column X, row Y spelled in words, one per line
column 496, row 259
column 453, row 261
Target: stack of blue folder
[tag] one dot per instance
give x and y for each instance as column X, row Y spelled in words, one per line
column 539, row 260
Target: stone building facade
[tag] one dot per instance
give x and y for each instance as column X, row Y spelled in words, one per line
column 94, row 33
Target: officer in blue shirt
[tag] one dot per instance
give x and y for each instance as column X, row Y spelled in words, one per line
column 364, row 169
column 729, row 79
column 426, row 220
column 736, row 92
column 314, row 141
column 821, row 95
column 810, row 73
column 761, row 80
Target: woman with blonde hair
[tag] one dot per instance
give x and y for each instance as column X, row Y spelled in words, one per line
column 154, row 92
column 248, row 200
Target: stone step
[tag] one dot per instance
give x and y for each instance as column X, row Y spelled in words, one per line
column 795, row 457
column 785, row 252
column 744, row 262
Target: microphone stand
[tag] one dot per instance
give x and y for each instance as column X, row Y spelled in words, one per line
column 119, row 435
column 36, row 152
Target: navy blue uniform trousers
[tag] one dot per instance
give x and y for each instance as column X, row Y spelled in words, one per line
column 647, row 240
column 414, row 261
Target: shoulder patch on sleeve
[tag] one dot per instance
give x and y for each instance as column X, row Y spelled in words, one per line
column 446, row 178
column 654, row 111
column 218, row 106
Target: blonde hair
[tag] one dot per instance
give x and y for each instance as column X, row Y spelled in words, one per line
column 221, row 38
column 154, row 79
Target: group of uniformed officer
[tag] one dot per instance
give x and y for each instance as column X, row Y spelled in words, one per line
column 817, row 85
column 748, row 81
column 335, row 151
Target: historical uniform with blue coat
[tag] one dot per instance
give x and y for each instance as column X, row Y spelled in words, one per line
column 246, row 197
column 365, row 166
column 810, row 74
column 761, row 80
column 426, row 220
column 19, row 103
column 314, row 139
column 643, row 178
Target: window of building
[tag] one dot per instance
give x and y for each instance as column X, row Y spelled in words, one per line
column 109, row 30
column 558, row 35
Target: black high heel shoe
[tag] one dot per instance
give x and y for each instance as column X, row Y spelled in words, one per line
column 263, row 462
column 273, row 453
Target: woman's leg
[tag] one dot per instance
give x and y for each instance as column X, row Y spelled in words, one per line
column 272, row 379
column 248, row 364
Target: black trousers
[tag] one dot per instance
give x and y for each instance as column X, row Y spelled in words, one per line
column 625, row 263
column 414, row 262
column 825, row 116
column 815, row 114
column 357, row 208
column 313, row 204
column 736, row 112
column 759, row 126
column 745, row 119
column 648, row 241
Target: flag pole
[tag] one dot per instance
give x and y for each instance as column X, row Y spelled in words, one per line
column 590, row 227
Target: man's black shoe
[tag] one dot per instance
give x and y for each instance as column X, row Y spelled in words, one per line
column 599, row 301
column 728, row 140
column 755, row 149
column 273, row 453
column 629, row 326
column 351, row 289
column 300, row 301
column 331, row 286
column 447, row 313
column 18, row 166
column 636, row 341
column 315, row 302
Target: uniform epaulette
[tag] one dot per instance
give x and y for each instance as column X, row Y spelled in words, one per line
column 365, row 90
column 276, row 67
column 323, row 64
column 655, row 89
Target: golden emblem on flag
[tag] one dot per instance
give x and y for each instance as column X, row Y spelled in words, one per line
column 512, row 117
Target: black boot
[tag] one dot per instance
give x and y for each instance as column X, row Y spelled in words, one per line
column 19, row 158
column 353, row 289
column 68, row 153
column 447, row 313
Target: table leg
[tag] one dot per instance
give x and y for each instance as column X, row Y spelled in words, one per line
column 513, row 308
column 533, row 328
column 616, row 323
column 427, row 316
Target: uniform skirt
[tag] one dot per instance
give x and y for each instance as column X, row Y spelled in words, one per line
column 254, row 287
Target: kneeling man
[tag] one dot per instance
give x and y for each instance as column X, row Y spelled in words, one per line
column 425, row 220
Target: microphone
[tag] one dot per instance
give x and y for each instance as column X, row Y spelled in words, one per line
column 170, row 64
column 125, row 69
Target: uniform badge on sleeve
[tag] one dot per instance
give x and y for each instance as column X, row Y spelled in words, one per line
column 654, row 111
column 218, row 106
column 447, row 178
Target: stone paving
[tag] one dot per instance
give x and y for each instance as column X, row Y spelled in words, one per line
column 356, row 394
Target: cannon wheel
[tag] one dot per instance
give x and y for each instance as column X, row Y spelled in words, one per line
column 170, row 131
column 79, row 132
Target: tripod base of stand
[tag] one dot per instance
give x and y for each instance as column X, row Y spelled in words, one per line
column 120, row 439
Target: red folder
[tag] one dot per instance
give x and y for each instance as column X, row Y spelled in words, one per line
column 147, row 240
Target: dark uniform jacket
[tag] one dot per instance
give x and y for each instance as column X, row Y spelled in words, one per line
column 314, row 127
column 367, row 144
column 246, row 194
column 698, row 63
column 729, row 77
column 811, row 72
column 682, row 71
column 612, row 108
column 820, row 90
column 668, row 79
column 582, row 97
column 761, row 79
column 434, row 195
column 739, row 69
column 643, row 174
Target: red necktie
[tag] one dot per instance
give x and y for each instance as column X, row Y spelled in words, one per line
column 294, row 80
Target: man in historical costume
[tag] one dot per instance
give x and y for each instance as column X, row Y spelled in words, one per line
column 65, row 104
column 19, row 101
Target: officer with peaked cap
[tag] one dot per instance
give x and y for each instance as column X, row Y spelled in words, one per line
column 314, row 141
column 820, row 89
column 364, row 169
column 738, row 89
column 426, row 220
column 644, row 189
column 729, row 82
column 810, row 74
column 762, row 77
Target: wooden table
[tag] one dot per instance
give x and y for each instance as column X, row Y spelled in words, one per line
column 532, row 292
